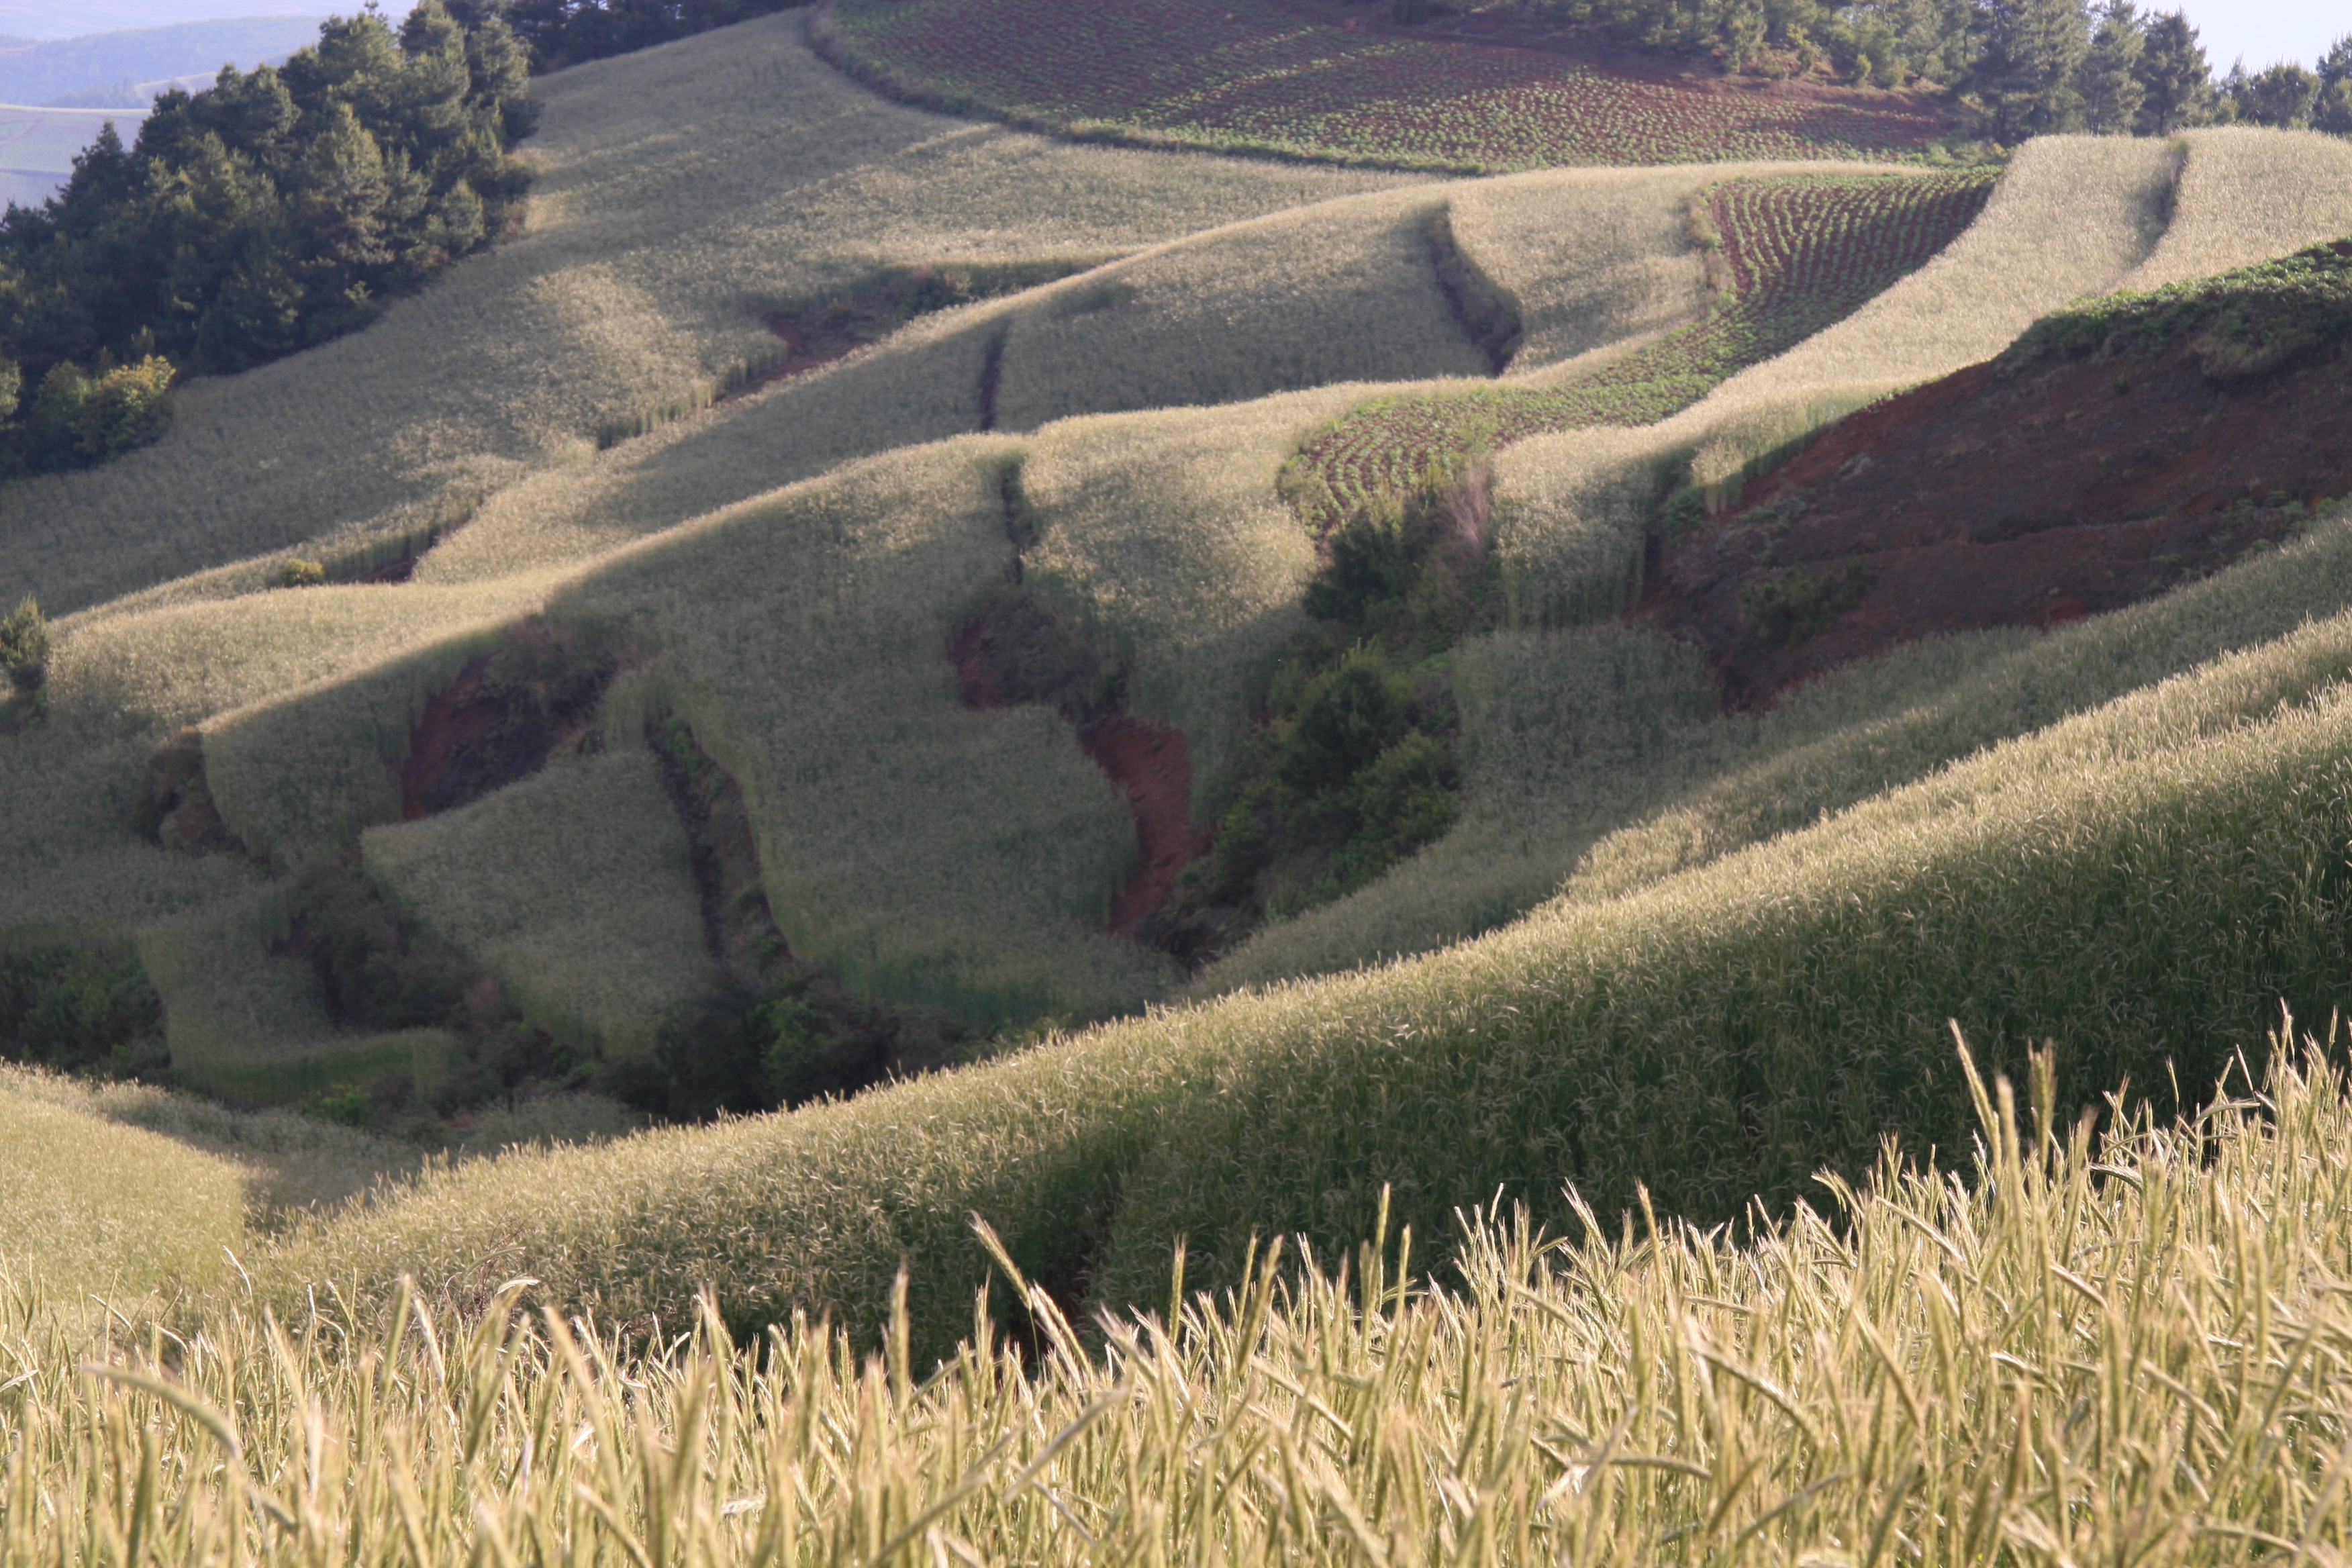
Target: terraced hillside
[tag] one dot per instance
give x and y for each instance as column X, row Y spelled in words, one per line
column 1258, row 76
column 693, row 761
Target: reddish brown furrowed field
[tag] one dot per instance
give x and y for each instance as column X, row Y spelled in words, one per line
column 1803, row 253
column 1250, row 74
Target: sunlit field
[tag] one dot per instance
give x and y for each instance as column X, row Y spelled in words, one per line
column 456, row 738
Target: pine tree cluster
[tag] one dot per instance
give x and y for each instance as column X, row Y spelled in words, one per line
column 273, row 210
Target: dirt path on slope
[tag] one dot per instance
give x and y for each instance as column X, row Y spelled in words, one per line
column 1020, row 651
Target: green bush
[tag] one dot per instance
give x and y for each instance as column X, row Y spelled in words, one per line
column 1802, row 602
column 79, row 417
column 1403, row 800
column 124, row 408
column 77, row 1008
column 1376, row 553
column 24, row 644
column 1346, row 717
column 297, row 574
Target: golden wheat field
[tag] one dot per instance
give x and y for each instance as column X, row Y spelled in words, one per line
column 1631, row 1170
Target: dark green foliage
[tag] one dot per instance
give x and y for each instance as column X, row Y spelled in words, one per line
column 2027, row 76
column 1353, row 771
column 2241, row 323
column 273, row 210
column 78, row 418
column 2281, row 96
column 1405, row 797
column 744, row 1051
column 2175, row 79
column 1375, row 555
column 380, row 970
column 2108, row 81
column 1802, row 602
column 79, row 1009
column 1684, row 509
column 1343, row 720
column 24, row 644
column 299, row 574
column 2332, row 111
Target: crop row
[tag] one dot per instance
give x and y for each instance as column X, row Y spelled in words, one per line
column 1803, row 253
column 1248, row 74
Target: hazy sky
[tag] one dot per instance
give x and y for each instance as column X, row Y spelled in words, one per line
column 2263, row 31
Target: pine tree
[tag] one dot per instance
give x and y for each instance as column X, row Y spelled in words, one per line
column 2108, row 79
column 2280, row 96
column 2333, row 111
column 2175, row 83
column 2026, row 76
column 345, row 209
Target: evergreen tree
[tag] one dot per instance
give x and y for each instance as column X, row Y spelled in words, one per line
column 2280, row 96
column 2108, row 79
column 267, row 212
column 2333, row 110
column 2026, row 76
column 2175, row 83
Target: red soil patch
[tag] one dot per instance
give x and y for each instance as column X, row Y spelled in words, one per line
column 2008, row 495
column 505, row 713
column 1154, row 766
column 1020, row 651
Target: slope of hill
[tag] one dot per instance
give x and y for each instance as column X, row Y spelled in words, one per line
column 658, row 233
column 2111, row 457
column 764, row 596
column 1255, row 76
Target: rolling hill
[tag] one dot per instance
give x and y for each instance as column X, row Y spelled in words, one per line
column 807, row 620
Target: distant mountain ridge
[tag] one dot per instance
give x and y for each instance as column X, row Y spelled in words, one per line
column 74, row 72
column 55, row 20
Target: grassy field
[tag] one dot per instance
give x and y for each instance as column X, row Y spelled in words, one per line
column 1250, row 75
column 678, row 193
column 2137, row 882
column 915, row 847
column 1586, row 500
column 2071, row 217
column 1679, row 986
column 1914, row 1367
column 573, row 889
column 1164, row 528
column 2246, row 197
column 1338, row 291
